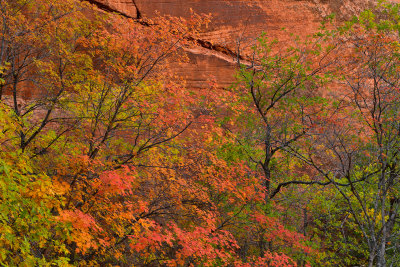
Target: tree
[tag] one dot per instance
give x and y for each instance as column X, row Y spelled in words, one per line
column 281, row 90
column 352, row 145
column 347, row 140
column 30, row 235
column 363, row 152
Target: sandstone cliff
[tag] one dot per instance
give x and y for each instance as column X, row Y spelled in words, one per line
column 235, row 20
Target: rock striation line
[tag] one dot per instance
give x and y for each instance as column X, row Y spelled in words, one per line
column 205, row 44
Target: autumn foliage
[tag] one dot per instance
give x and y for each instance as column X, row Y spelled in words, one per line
column 107, row 159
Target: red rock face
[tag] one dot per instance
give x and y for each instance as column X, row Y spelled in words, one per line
column 235, row 20
column 239, row 18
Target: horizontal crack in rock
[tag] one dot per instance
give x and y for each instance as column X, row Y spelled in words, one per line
column 107, row 8
column 202, row 43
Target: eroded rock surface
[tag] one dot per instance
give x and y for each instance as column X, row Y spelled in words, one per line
column 238, row 21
